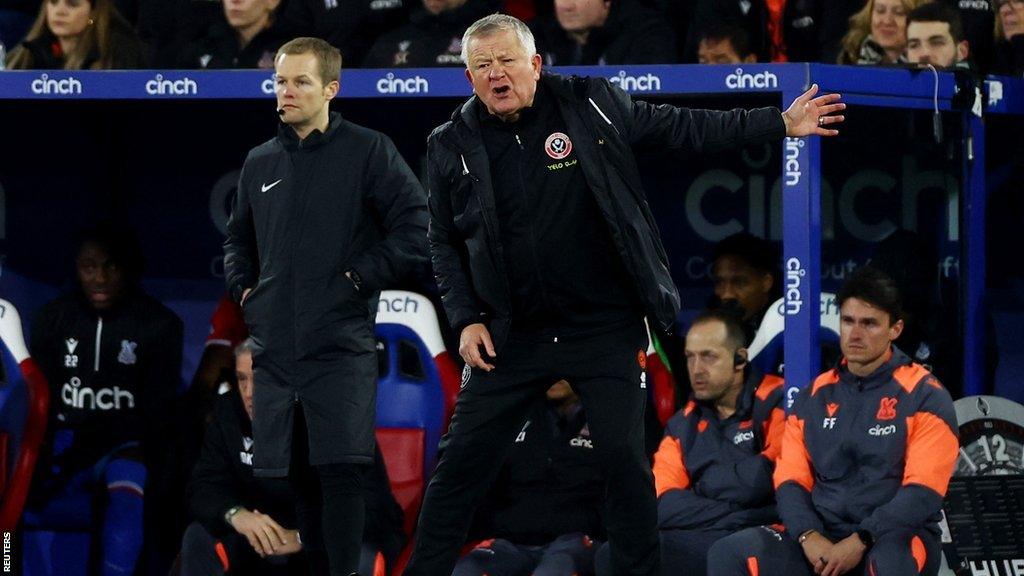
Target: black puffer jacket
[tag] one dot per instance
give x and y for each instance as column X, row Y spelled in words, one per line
column 604, row 123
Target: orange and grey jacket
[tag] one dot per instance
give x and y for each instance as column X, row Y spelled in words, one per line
column 873, row 453
column 717, row 474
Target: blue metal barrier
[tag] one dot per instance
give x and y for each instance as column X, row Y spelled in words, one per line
column 801, row 158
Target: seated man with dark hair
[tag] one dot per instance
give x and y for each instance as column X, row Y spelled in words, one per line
column 545, row 510
column 246, row 525
column 725, row 44
column 868, row 452
column 713, row 471
column 112, row 356
column 935, row 36
column 744, row 270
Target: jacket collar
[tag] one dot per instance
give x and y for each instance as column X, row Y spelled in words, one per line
column 290, row 140
column 745, row 400
column 880, row 376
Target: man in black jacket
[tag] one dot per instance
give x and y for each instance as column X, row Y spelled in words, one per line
column 237, row 514
column 326, row 214
column 548, row 260
column 112, row 356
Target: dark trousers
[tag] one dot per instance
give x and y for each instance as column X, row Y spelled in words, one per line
column 682, row 552
column 567, row 555
column 766, row 550
column 330, row 509
column 606, row 371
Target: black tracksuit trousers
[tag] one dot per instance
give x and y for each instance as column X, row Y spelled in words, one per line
column 606, row 370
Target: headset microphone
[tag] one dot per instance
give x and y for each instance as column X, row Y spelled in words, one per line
column 280, row 111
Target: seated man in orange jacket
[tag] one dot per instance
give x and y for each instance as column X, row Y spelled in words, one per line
column 713, row 470
column 868, row 452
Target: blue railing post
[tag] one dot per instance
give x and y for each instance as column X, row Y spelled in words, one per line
column 801, row 248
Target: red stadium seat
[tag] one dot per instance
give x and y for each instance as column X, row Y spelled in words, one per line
column 415, row 397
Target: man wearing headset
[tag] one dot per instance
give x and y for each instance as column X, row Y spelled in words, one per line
column 713, row 469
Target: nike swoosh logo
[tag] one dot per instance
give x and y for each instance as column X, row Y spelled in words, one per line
column 266, row 187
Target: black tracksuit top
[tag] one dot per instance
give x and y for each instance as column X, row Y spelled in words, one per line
column 562, row 267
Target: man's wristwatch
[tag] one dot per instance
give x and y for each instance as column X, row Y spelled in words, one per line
column 803, row 537
column 866, row 537
column 231, row 513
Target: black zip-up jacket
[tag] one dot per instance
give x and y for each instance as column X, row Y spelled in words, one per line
column 223, row 478
column 308, row 211
column 551, row 483
column 556, row 245
column 113, row 376
column 428, row 39
column 604, row 123
column 305, row 214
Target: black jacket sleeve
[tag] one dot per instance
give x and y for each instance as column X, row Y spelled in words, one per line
column 241, row 259
column 700, row 131
column 397, row 198
column 212, row 490
column 447, row 247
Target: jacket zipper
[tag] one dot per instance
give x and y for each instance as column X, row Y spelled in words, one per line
column 533, row 235
column 99, row 335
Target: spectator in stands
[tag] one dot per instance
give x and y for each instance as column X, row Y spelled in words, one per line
column 744, row 270
column 224, row 495
column 878, row 33
column 1009, row 38
column 868, row 451
column 713, row 470
column 725, row 45
column 245, row 38
column 351, row 26
column 763, row 21
column 598, row 32
column 112, row 355
column 433, row 36
column 78, row 35
column 935, row 36
column 544, row 512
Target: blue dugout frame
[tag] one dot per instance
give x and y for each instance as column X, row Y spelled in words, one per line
column 801, row 157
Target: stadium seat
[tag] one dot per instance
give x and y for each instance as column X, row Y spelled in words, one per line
column 766, row 351
column 24, row 420
column 415, row 397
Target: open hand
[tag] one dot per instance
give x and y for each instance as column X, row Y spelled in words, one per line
column 808, row 115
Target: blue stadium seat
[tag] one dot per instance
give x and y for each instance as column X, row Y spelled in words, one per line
column 415, row 392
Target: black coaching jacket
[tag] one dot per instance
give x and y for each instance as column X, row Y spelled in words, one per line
column 605, row 124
